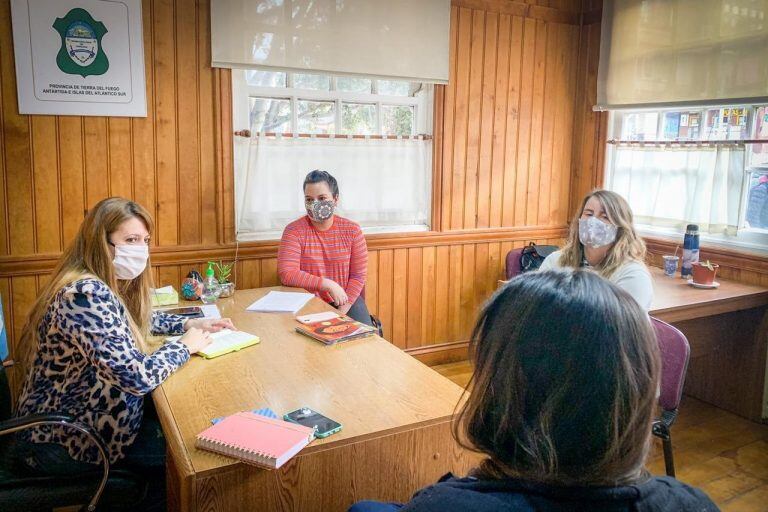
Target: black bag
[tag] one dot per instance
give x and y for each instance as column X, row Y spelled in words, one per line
column 533, row 256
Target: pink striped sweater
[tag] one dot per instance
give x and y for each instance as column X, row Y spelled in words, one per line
column 307, row 255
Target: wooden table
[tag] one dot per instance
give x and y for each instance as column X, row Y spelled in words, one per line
column 728, row 334
column 396, row 416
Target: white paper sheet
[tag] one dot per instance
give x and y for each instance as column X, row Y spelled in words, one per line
column 280, row 302
column 210, row 311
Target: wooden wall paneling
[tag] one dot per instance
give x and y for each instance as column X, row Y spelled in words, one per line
column 169, row 275
column 250, row 274
column 269, row 272
column 209, row 213
column 467, row 293
column 414, row 312
column 372, row 283
column 399, row 297
column 143, row 129
column 166, row 129
column 474, row 122
column 454, row 293
column 23, row 293
column 448, row 126
column 442, row 292
column 45, row 171
column 96, row 160
column 187, row 115
column 487, row 120
column 535, row 148
column 17, row 153
column 553, row 84
column 564, row 127
column 72, row 175
column 483, row 286
column 461, row 117
column 223, row 144
column 385, row 271
column 4, row 249
column 428, row 305
column 525, row 126
column 498, row 139
column 120, row 156
column 511, row 146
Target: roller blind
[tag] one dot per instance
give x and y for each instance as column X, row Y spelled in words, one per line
column 403, row 39
column 657, row 53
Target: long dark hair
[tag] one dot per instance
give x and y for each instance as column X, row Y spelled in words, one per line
column 565, row 380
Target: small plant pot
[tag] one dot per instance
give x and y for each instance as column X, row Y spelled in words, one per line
column 703, row 275
column 227, row 290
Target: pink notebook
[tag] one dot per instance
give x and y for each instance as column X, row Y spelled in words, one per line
column 255, row 439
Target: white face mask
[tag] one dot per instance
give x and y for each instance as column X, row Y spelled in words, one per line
column 596, row 233
column 130, row 261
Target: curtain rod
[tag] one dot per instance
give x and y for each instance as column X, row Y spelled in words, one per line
column 247, row 134
column 686, row 142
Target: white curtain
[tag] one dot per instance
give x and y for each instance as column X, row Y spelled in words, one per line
column 382, row 182
column 674, row 186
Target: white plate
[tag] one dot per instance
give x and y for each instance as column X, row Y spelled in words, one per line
column 714, row 284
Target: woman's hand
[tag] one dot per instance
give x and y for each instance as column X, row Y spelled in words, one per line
column 209, row 324
column 196, row 339
column 334, row 289
column 345, row 308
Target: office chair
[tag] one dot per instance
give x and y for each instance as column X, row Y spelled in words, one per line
column 675, row 353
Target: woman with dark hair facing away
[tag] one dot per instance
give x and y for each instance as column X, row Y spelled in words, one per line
column 561, row 401
column 84, row 347
column 324, row 253
column 603, row 237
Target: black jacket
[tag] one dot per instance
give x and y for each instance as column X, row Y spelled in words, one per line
column 473, row 495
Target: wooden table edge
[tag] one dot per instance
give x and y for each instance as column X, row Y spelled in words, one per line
column 319, row 448
column 174, row 441
column 714, row 307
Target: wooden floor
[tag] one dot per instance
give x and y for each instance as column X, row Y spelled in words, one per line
column 719, row 452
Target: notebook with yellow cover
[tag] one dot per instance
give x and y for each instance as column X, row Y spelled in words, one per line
column 224, row 342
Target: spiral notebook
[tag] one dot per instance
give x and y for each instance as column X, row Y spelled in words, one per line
column 255, row 439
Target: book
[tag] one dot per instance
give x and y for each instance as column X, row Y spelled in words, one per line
column 255, row 439
column 280, row 302
column 224, row 342
column 264, row 411
column 335, row 330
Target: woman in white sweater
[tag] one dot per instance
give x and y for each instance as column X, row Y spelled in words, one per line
column 603, row 237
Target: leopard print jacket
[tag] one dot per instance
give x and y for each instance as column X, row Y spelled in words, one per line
column 88, row 366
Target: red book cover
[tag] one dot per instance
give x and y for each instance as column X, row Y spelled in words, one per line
column 335, row 330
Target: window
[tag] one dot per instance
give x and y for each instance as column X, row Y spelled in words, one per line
column 372, row 135
column 703, row 166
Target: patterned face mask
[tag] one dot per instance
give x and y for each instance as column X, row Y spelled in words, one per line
column 319, row 211
column 595, row 233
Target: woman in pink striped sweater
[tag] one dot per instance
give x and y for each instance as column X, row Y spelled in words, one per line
column 325, row 253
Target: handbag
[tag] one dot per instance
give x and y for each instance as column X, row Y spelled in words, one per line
column 534, row 255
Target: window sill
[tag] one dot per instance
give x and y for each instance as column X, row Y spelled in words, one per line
column 753, row 242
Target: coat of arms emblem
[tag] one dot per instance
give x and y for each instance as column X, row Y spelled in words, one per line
column 81, row 52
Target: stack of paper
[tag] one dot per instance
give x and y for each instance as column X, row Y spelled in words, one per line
column 164, row 296
column 280, row 302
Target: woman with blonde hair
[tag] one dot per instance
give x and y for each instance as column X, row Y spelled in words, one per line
column 603, row 238
column 560, row 406
column 84, row 347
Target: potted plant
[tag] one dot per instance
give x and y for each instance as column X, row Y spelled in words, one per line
column 704, row 272
column 223, row 275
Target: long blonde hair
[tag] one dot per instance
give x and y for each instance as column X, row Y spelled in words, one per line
column 628, row 245
column 88, row 256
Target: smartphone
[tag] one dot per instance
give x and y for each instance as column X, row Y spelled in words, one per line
column 305, row 416
column 189, row 311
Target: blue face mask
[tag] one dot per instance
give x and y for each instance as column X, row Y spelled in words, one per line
column 596, row 233
column 319, row 211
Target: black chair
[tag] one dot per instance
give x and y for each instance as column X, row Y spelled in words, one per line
column 110, row 490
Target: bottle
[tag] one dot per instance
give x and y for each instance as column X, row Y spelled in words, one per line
column 690, row 250
column 211, row 287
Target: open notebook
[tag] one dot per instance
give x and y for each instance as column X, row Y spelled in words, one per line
column 255, row 439
column 224, row 342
